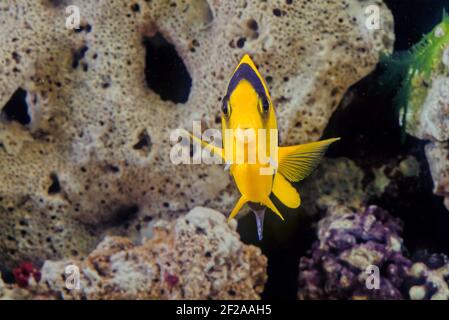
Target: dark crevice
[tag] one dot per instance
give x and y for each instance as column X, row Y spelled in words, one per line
column 144, row 143
column 86, row 28
column 7, row 276
column 16, row 109
column 58, row 3
column 112, row 168
column 78, row 55
column 165, row 72
column 135, row 7
column 55, row 186
column 124, row 215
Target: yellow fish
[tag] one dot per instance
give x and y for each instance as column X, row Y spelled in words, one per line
column 247, row 108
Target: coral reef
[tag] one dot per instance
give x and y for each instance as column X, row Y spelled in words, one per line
column 337, row 182
column 197, row 256
column 424, row 98
column 348, row 244
column 341, row 181
column 85, row 134
column 433, row 120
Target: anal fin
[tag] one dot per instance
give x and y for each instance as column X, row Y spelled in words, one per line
column 285, row 192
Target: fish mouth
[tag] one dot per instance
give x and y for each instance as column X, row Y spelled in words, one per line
column 245, row 135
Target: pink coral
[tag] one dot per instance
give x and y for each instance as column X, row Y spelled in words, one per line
column 171, row 279
column 23, row 273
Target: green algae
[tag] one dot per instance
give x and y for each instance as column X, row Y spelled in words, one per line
column 415, row 69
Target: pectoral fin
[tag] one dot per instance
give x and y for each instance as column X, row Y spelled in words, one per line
column 285, row 192
column 214, row 149
column 297, row 162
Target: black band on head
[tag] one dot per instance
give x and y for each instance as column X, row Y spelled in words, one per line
column 245, row 72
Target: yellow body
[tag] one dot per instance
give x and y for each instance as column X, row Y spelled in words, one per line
column 248, row 106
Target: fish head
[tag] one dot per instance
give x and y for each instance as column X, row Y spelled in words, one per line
column 247, row 111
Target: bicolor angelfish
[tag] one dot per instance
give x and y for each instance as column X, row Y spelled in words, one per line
column 246, row 108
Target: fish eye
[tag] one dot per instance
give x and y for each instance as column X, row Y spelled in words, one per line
column 265, row 105
column 225, row 108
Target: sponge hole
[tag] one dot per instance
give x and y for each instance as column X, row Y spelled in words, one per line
column 16, row 109
column 165, row 72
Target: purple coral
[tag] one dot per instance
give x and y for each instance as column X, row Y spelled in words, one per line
column 428, row 278
column 348, row 244
column 171, row 279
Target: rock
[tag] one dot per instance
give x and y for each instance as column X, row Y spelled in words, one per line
column 409, row 167
column 197, row 256
column 93, row 154
column 422, row 95
column 426, row 89
column 433, row 120
column 341, row 181
column 437, row 156
column 350, row 246
column 336, row 182
column 434, row 126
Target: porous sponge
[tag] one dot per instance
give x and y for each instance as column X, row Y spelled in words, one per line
column 94, row 157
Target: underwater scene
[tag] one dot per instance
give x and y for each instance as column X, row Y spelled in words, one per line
column 224, row 150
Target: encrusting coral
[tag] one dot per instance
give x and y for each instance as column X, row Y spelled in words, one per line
column 91, row 154
column 197, row 256
column 348, row 244
column 428, row 278
column 340, row 264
